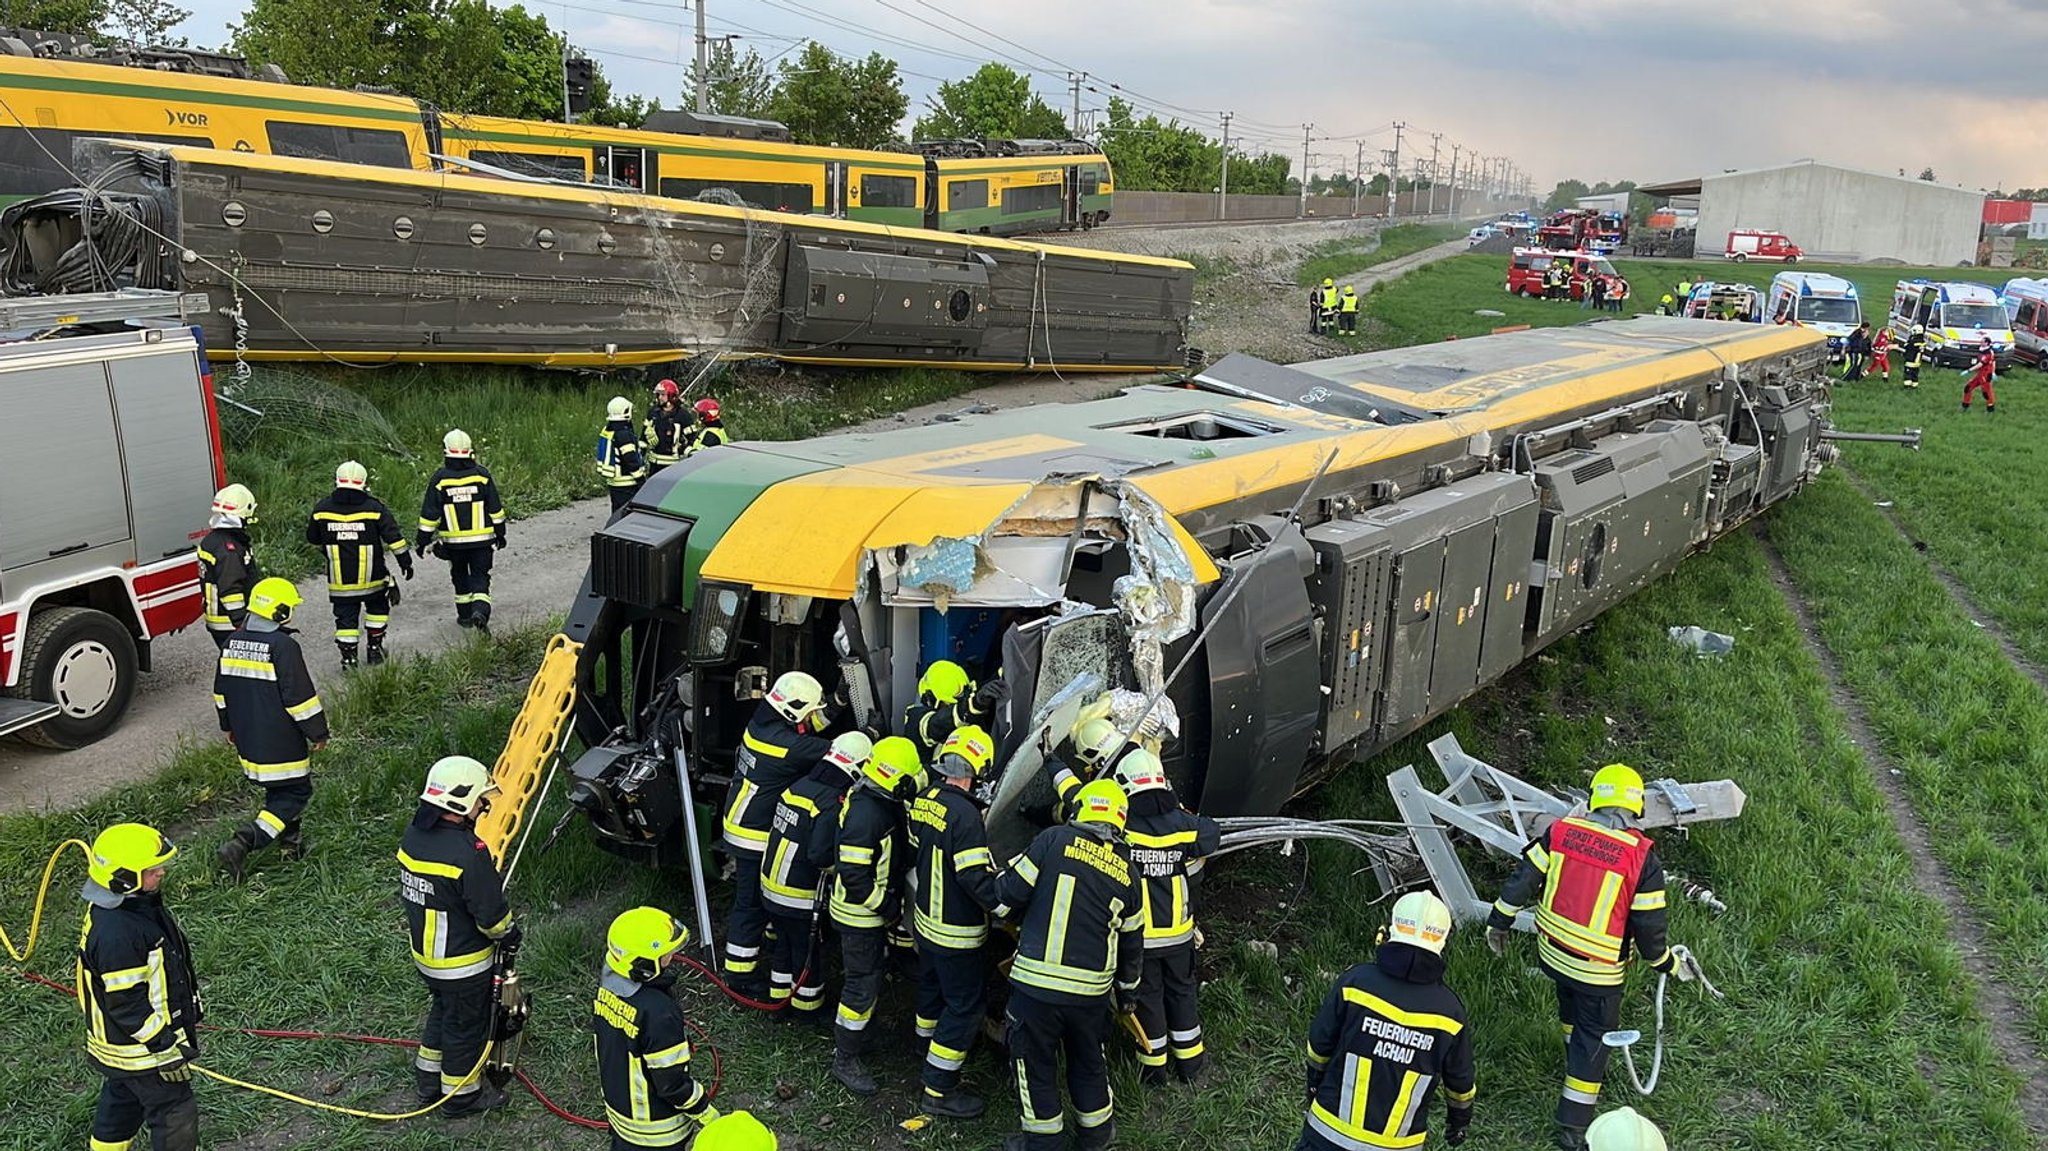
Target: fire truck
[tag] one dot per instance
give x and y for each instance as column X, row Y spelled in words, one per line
column 109, row 456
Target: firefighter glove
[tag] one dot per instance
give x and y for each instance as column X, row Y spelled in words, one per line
column 424, row 544
column 405, row 566
column 499, row 542
column 987, row 695
column 1497, row 940
column 392, row 590
column 1456, row 1121
column 511, row 939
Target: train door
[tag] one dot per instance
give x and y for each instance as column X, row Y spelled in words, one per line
column 622, row 167
column 835, row 189
column 1070, row 211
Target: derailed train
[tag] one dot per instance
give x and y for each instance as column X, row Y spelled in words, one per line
column 1461, row 506
column 316, row 259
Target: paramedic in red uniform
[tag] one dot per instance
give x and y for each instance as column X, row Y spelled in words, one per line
column 1982, row 373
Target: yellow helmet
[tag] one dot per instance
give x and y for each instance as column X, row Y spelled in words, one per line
column 273, row 598
column 123, row 852
column 736, row 1131
column 1422, row 920
column 1140, row 771
column 1328, row 282
column 352, row 475
column 1096, row 741
column 235, row 500
column 796, row 695
column 620, row 408
column 456, row 444
column 943, row 682
column 1617, row 785
column 1623, row 1130
column 458, row 783
column 850, row 751
column 1102, row 802
column 895, row 759
column 969, row 751
column 640, row 939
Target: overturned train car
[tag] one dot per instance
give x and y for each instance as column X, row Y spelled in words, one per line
column 314, row 259
column 1477, row 501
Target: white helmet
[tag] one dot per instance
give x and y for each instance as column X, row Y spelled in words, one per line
column 1623, row 1130
column 456, row 444
column 1420, row 920
column 1140, row 770
column 1919, row 329
column 849, row 752
column 234, row 500
column 620, row 408
column 458, row 783
column 796, row 695
column 1096, row 740
column 352, row 475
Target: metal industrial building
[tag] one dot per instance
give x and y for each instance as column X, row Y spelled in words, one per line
column 1838, row 214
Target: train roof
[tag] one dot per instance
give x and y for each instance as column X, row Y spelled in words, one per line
column 854, row 493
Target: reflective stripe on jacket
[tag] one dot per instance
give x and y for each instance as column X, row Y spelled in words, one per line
column 455, row 909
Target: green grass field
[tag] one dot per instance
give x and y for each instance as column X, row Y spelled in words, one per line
column 1852, row 1020
column 1346, row 257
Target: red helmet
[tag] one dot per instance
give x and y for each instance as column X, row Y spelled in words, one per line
column 707, row 408
column 666, row 390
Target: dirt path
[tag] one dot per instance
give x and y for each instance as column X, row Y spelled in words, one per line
column 2002, row 1009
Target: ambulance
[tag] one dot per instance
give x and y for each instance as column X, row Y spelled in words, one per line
column 1959, row 318
column 2026, row 302
column 1827, row 304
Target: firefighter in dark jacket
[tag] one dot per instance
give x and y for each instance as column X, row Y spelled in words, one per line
column 1168, row 844
column 947, row 698
column 666, row 433
column 867, row 898
column 1599, row 894
column 462, row 520
column 801, row 840
column 1389, row 1033
column 227, row 566
column 456, row 914
column 1080, row 952
column 781, row 744
column 135, row 984
column 955, row 894
column 621, row 462
column 354, row 529
column 1095, row 747
column 271, row 713
column 1914, row 354
column 643, row 1045
column 710, row 430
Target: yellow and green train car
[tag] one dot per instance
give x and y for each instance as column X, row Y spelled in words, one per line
column 1009, row 195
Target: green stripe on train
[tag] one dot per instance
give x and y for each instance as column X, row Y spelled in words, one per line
column 195, row 96
column 454, row 132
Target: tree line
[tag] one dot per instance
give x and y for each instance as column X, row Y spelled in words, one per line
column 468, row 56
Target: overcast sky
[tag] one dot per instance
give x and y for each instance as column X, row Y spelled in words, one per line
column 1596, row 89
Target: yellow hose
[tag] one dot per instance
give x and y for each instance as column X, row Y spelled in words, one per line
column 315, row 1104
column 35, row 923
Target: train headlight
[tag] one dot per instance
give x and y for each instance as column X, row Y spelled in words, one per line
column 714, row 626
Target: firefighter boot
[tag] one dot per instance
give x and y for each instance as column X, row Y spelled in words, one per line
column 847, row 1067
column 481, row 620
column 487, row 1097
column 234, row 854
column 291, row 844
column 1095, row 1138
column 374, row 654
column 958, row 1103
column 1571, row 1139
column 427, row 1084
column 348, row 655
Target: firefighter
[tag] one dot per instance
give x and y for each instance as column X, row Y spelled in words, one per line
column 799, row 847
column 1980, row 375
column 1913, row 353
column 643, row 1043
column 135, row 983
column 1881, row 353
column 1168, row 844
column 620, row 462
column 1665, row 306
column 1387, row 1035
column 227, row 565
column 1347, row 311
column 1096, row 746
column 668, row 429
column 1326, row 303
column 1080, row 950
column 865, row 900
column 1855, row 352
column 1684, row 290
column 456, row 913
column 1623, row 1130
column 462, row 520
column 947, row 699
column 710, row 430
column 354, row 529
column 1599, row 891
column 781, row 744
column 1315, row 306
column 271, row 713
column 954, row 896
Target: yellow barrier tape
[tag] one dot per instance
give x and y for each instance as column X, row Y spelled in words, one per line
column 537, row 737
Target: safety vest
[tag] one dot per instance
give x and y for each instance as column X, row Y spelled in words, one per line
column 1592, row 876
column 1329, row 297
column 1348, row 303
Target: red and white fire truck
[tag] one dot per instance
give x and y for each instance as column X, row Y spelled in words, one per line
column 109, row 456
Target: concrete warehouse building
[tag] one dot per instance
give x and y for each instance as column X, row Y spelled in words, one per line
column 1838, row 214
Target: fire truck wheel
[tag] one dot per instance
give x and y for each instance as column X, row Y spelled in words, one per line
column 83, row 661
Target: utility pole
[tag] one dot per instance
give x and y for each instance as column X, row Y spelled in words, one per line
column 1358, row 185
column 1435, row 142
column 1074, row 82
column 568, row 117
column 1394, row 173
column 703, row 63
column 1303, row 211
column 1455, row 149
column 1223, row 187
